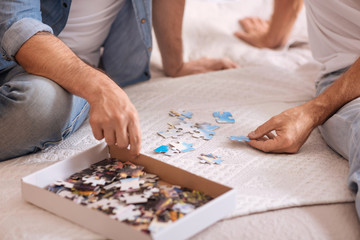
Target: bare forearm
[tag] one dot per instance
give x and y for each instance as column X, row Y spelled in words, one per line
column 282, row 21
column 45, row 55
column 342, row 91
column 167, row 21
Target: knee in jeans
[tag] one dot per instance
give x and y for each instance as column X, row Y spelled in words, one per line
column 52, row 103
column 40, row 102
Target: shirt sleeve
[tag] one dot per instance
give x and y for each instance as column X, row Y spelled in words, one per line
column 20, row 20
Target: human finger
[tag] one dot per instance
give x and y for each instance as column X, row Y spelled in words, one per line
column 122, row 138
column 135, row 137
column 263, row 129
column 97, row 132
column 269, row 145
column 270, row 135
column 246, row 24
column 228, row 64
column 241, row 35
column 110, row 137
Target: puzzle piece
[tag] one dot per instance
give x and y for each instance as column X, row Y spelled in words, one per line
column 210, row 158
column 156, row 226
column 239, row 138
column 133, row 198
column 180, row 114
column 165, row 150
column 186, row 127
column 223, row 117
column 203, row 133
column 173, row 133
column 116, row 184
column 64, row 183
column 149, row 177
column 105, row 204
column 94, row 180
column 182, row 146
column 129, row 212
column 184, row 207
column 67, row 194
column 206, row 126
column 162, row 149
column 130, row 184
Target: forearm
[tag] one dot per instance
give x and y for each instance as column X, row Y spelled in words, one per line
column 342, row 91
column 282, row 21
column 45, row 55
column 167, row 22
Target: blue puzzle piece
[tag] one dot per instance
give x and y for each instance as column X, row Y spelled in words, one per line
column 223, row 117
column 239, row 138
column 205, row 134
column 162, row 149
column 187, row 114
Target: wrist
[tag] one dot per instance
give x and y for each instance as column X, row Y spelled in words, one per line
column 173, row 70
column 317, row 111
column 97, row 85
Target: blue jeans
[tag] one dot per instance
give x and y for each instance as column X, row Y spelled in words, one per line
column 342, row 133
column 35, row 112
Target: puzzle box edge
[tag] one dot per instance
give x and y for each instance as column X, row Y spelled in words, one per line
column 33, row 191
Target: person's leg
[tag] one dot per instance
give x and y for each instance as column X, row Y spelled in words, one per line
column 125, row 57
column 35, row 112
column 342, row 133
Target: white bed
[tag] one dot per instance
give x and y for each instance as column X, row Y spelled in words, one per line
column 279, row 196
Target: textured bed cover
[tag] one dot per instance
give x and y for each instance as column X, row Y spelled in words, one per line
column 302, row 196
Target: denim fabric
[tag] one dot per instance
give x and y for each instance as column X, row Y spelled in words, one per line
column 35, row 112
column 342, row 133
column 126, row 54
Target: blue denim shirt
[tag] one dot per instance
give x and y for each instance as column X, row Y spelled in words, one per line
column 21, row 19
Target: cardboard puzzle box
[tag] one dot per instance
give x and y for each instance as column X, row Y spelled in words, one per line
column 220, row 203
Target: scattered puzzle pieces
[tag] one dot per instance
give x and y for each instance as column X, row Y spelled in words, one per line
column 239, row 138
column 210, row 159
column 223, row 117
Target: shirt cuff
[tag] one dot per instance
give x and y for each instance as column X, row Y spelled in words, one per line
column 19, row 33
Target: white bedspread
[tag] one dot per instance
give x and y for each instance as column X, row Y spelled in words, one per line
column 267, row 83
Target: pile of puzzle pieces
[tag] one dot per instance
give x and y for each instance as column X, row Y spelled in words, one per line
column 126, row 193
column 197, row 130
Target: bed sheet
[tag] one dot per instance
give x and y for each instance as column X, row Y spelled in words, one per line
column 271, row 188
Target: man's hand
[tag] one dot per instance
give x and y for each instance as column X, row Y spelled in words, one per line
column 254, row 32
column 292, row 128
column 204, row 65
column 274, row 33
column 114, row 117
column 167, row 21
